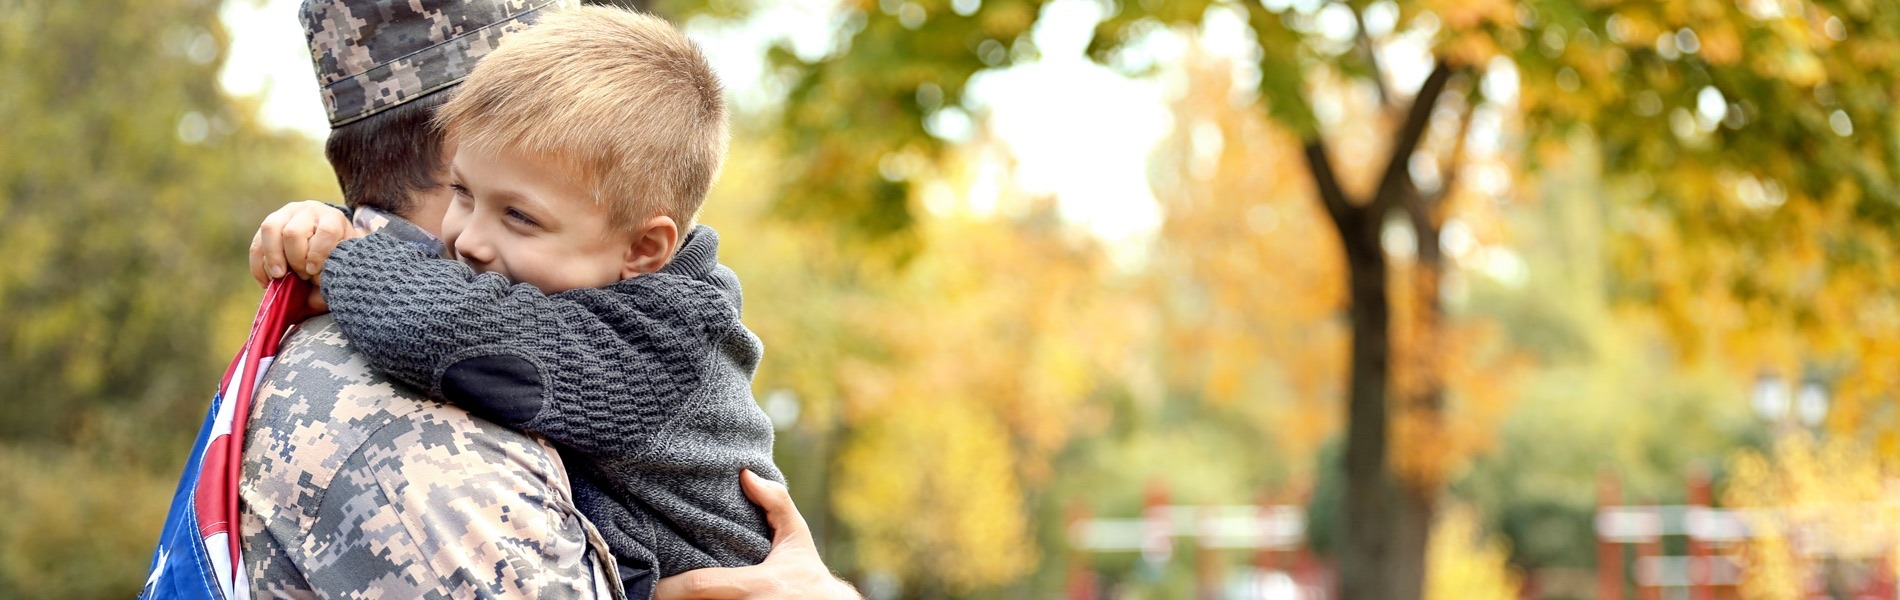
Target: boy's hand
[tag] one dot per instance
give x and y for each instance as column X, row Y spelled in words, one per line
column 297, row 239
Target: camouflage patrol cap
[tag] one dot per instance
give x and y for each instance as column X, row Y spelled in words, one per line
column 374, row 55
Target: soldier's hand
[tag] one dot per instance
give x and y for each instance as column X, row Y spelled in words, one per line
column 792, row 570
column 297, row 239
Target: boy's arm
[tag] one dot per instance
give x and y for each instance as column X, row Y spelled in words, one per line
column 507, row 352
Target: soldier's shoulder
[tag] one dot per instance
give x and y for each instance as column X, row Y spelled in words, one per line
column 319, row 381
column 321, row 406
column 318, row 405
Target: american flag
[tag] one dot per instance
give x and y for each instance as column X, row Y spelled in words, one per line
column 197, row 555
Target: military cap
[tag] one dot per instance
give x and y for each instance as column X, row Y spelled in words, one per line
column 374, row 55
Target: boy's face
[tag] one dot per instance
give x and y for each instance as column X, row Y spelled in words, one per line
column 527, row 220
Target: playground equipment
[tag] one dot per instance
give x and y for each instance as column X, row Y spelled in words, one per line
column 1715, row 539
column 1275, row 532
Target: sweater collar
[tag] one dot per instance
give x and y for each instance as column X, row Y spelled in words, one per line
column 697, row 256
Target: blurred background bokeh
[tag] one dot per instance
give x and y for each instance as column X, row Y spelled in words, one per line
column 1115, row 298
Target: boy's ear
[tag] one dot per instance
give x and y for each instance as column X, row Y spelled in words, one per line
column 652, row 247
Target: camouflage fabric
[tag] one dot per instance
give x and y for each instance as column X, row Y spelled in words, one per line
column 355, row 487
column 368, row 218
column 373, row 55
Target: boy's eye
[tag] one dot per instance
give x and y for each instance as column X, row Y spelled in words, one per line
column 521, row 217
column 460, row 190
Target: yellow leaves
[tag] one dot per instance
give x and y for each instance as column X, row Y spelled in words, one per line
column 1461, row 564
column 957, row 379
column 1247, row 271
column 930, row 491
column 1641, row 27
column 947, row 385
column 1469, row 49
column 1810, row 501
column 1797, row 65
column 1007, row 20
column 1463, row 15
column 1721, row 44
column 1866, row 395
column 1452, row 385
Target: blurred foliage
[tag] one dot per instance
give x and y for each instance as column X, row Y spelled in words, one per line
column 1661, row 216
column 128, row 190
column 1823, row 515
column 1607, row 392
column 1465, row 564
column 881, row 362
column 130, row 186
column 1746, row 147
column 86, row 526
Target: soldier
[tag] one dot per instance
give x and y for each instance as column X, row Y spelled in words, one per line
column 356, row 486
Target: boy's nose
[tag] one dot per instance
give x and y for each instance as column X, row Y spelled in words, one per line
column 471, row 246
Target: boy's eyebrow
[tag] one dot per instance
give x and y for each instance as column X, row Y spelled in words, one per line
column 547, row 217
column 533, row 204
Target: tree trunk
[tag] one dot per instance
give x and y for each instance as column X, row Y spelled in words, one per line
column 1384, row 529
column 1385, row 524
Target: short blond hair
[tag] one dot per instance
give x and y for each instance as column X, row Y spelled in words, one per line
column 622, row 98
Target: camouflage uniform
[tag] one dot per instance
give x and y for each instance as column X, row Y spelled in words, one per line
column 357, row 487
column 372, row 55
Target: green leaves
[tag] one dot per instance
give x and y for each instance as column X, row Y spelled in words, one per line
column 129, row 191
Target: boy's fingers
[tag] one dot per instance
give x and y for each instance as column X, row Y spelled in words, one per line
column 271, row 243
column 296, row 235
column 256, row 257
column 780, row 512
column 329, row 232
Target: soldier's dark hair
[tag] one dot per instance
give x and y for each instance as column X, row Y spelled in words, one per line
column 384, row 159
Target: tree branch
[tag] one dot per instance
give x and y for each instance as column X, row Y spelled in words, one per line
column 1454, row 167
column 1391, row 184
column 1372, row 58
column 1330, row 194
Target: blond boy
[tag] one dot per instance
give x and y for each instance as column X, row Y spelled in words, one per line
column 586, row 307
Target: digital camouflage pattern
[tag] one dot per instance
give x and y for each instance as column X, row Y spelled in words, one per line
column 356, row 487
column 366, row 218
column 372, row 55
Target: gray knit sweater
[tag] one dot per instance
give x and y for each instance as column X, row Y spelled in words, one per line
column 644, row 384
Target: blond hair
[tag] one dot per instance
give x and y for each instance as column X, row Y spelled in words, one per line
column 621, row 98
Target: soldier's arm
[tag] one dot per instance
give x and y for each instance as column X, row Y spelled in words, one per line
column 441, row 505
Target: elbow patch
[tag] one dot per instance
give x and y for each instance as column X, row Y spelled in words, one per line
column 503, row 387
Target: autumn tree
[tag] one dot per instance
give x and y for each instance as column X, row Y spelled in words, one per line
column 1237, row 228
column 1735, row 123
column 129, row 186
column 129, row 189
column 945, row 387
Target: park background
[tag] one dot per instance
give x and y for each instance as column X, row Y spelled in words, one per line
column 1443, row 269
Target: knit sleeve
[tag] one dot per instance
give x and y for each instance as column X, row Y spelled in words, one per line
column 508, row 352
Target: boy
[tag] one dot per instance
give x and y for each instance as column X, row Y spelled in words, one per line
column 586, row 307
